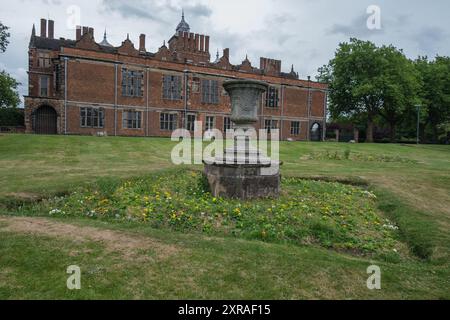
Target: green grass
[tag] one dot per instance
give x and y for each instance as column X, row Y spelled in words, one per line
column 330, row 214
column 412, row 184
column 203, row 268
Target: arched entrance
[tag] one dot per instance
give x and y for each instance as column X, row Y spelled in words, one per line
column 316, row 132
column 45, row 120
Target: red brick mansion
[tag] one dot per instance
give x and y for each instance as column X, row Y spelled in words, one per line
column 86, row 87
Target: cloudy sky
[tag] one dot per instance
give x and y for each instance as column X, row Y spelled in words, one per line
column 300, row 32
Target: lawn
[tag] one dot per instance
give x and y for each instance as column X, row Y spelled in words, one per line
column 236, row 258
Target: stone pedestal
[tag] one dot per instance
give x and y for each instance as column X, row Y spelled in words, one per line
column 243, row 172
column 242, row 181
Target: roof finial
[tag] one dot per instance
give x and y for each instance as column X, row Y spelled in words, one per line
column 33, row 31
column 292, row 69
column 183, row 26
column 105, row 42
column 128, row 36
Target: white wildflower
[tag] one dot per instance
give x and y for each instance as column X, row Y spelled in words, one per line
column 390, row 226
column 55, row 211
column 369, row 194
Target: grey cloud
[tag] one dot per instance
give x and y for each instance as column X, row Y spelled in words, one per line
column 134, row 9
column 198, row 10
column 357, row 28
column 429, row 39
column 161, row 11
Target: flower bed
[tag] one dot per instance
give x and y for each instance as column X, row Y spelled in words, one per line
column 332, row 215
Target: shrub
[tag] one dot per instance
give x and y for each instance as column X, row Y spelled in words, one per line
column 12, row 117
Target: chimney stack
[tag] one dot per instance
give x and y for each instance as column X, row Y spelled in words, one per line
column 91, row 32
column 197, row 41
column 51, row 29
column 191, row 42
column 85, row 30
column 202, row 43
column 142, row 43
column 185, row 40
column 78, row 33
column 207, row 44
column 226, row 53
column 43, row 28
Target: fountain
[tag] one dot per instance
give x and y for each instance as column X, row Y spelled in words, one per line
column 243, row 171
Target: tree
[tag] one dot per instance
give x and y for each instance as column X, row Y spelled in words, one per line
column 4, row 35
column 355, row 81
column 435, row 93
column 400, row 87
column 9, row 97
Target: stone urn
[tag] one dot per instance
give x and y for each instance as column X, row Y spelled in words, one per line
column 242, row 171
column 245, row 96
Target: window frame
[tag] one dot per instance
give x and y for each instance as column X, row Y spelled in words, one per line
column 190, row 125
column 207, row 123
column 136, row 119
column 227, row 124
column 91, row 117
column 168, row 123
column 172, row 86
column 272, row 97
column 210, row 91
column 271, row 126
column 132, row 83
column 44, row 60
column 295, row 128
column 47, row 77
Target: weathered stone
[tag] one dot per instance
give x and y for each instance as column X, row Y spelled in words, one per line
column 243, row 172
column 241, row 181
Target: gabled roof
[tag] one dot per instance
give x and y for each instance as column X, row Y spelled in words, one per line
column 50, row 44
column 56, row 44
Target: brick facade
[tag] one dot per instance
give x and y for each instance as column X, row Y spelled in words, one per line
column 70, row 75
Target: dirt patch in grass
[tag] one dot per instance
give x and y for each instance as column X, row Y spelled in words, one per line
column 129, row 246
column 24, row 196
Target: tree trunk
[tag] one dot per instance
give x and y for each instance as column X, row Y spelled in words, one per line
column 422, row 133
column 435, row 134
column 369, row 134
column 393, row 132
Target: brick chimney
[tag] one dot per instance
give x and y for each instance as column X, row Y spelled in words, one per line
column 51, row 29
column 43, row 28
column 197, row 41
column 91, row 32
column 78, row 34
column 202, row 43
column 226, row 53
column 191, row 42
column 262, row 63
column 85, row 30
column 207, row 44
column 142, row 43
